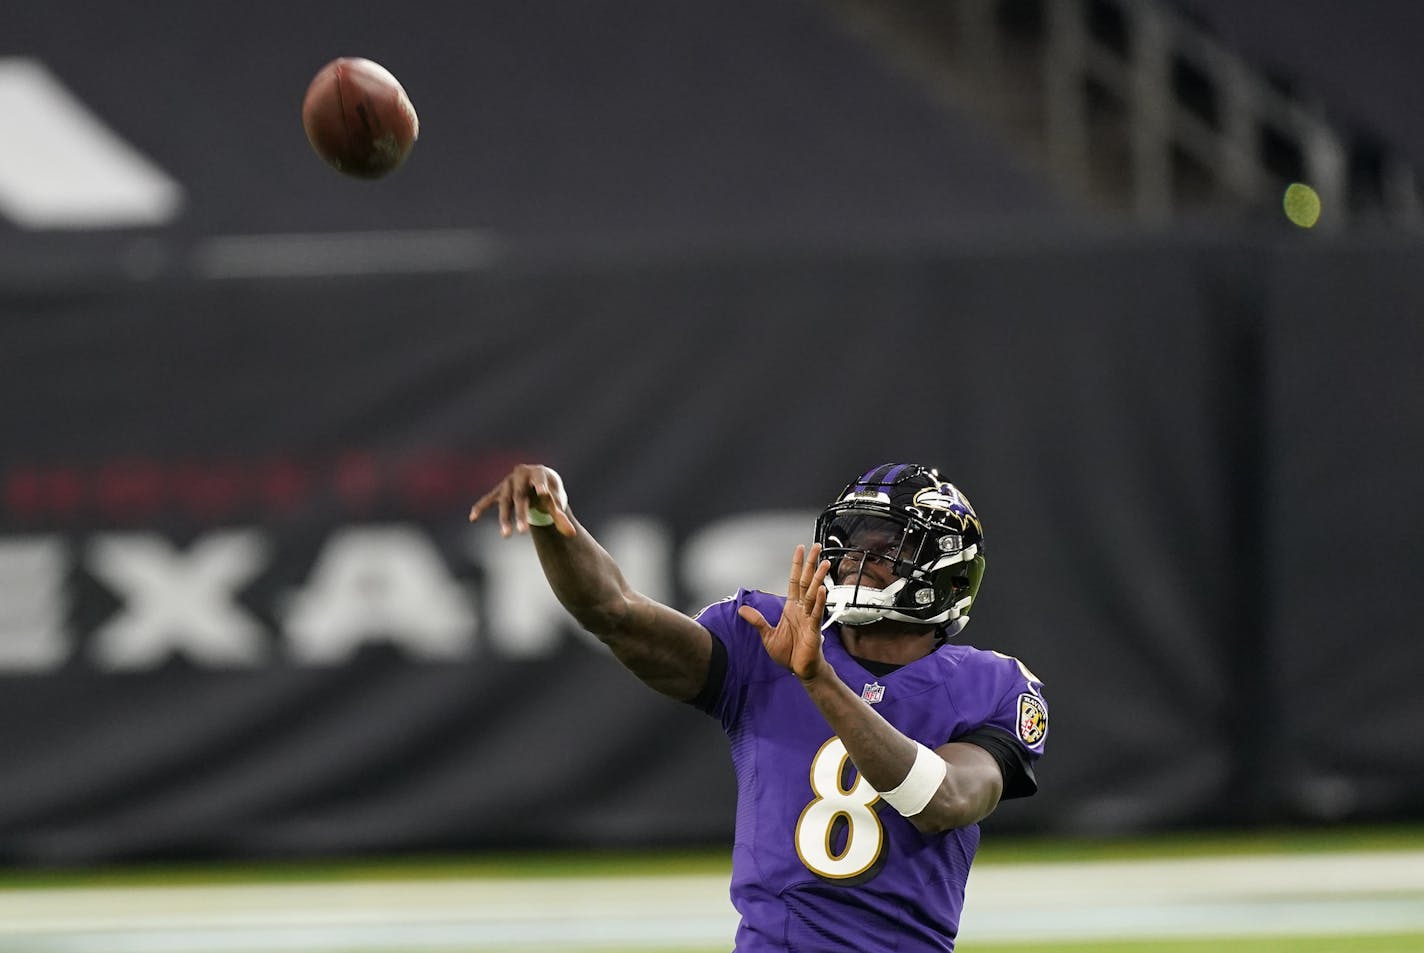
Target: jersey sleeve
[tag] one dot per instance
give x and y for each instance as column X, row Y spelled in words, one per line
column 738, row 658
column 1014, row 726
column 1014, row 762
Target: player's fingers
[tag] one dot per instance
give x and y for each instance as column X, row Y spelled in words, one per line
column 809, row 570
column 496, row 498
column 489, row 502
column 483, row 503
column 520, row 503
column 793, row 586
column 546, row 492
column 510, row 516
column 818, row 604
column 564, row 524
column 530, row 488
column 756, row 619
column 511, row 497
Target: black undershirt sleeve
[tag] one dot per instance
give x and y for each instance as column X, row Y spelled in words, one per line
column 1019, row 780
column 716, row 675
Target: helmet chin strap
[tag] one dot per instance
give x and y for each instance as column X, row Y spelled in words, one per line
column 876, row 604
column 873, row 603
column 956, row 627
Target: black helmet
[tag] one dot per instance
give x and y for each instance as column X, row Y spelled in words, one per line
column 924, row 527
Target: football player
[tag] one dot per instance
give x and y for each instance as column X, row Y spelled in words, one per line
column 867, row 745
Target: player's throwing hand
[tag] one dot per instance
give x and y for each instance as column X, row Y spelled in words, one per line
column 795, row 641
column 532, row 495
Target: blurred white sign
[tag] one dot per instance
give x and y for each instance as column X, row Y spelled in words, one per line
column 386, row 583
column 63, row 168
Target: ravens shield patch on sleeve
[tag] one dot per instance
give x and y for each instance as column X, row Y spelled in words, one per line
column 1033, row 719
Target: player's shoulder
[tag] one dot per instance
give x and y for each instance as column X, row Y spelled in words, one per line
column 987, row 663
column 1002, row 691
column 766, row 602
column 741, row 640
column 724, row 611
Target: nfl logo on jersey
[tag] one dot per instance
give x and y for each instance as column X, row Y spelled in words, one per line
column 873, row 693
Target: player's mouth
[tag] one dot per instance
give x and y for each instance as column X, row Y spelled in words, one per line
column 866, row 576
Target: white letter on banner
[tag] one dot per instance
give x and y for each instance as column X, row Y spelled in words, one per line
column 380, row 584
column 525, row 620
column 178, row 602
column 63, row 168
column 749, row 550
column 33, row 637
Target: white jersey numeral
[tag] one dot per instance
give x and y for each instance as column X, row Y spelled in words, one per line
column 834, row 806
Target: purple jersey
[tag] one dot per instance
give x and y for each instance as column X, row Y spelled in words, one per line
column 820, row 863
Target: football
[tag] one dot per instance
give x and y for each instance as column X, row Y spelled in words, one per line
column 358, row 118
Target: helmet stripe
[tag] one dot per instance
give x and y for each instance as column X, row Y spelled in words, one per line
column 863, row 481
column 895, row 472
column 878, row 476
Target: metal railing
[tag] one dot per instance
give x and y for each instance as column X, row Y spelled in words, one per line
column 1133, row 107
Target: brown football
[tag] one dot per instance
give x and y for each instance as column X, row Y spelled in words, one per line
column 358, row 118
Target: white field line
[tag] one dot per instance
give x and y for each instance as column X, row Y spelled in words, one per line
column 1309, row 894
column 1277, row 895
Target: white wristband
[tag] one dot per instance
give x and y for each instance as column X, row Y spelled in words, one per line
column 917, row 790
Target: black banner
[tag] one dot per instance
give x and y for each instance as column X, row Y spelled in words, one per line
column 1346, row 543
column 242, row 612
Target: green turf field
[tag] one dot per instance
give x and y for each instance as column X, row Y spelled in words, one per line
column 536, row 864
column 1373, row 944
column 1322, row 891
column 1288, row 944
column 1386, row 837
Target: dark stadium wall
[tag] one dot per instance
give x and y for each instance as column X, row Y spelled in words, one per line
column 566, row 122
column 244, row 614
column 1359, row 63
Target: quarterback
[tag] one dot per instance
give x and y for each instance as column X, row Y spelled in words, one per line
column 867, row 743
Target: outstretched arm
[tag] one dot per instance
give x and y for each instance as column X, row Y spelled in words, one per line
column 973, row 781
column 663, row 647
